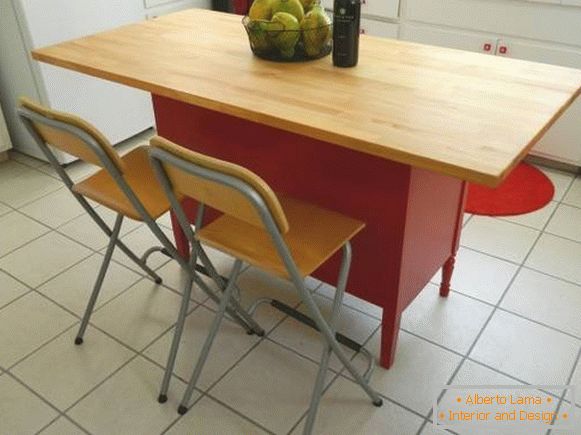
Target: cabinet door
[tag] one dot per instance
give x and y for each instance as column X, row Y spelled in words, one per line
column 380, row 8
column 378, row 28
column 471, row 41
column 5, row 143
column 563, row 141
column 118, row 111
column 528, row 19
column 154, row 3
column 175, row 6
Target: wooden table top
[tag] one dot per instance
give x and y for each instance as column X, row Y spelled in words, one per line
column 461, row 114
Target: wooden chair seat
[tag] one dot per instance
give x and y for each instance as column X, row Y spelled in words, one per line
column 138, row 173
column 315, row 235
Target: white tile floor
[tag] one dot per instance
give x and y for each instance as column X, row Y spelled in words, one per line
column 514, row 316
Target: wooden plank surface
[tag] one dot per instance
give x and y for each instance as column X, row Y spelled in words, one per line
column 461, row 114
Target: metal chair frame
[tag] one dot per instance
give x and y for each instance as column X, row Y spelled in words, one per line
column 28, row 117
column 327, row 329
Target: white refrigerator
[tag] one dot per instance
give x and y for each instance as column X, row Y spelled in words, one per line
column 118, row 111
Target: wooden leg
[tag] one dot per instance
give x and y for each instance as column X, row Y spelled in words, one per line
column 447, row 272
column 448, row 268
column 389, row 335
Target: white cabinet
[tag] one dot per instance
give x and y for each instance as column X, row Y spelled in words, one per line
column 562, row 142
column 5, row 143
column 154, row 3
column 377, row 8
column 157, row 8
column 380, row 8
column 119, row 111
column 472, row 41
column 544, row 22
column 539, row 52
column 379, row 28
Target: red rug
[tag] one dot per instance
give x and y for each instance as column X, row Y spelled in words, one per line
column 525, row 190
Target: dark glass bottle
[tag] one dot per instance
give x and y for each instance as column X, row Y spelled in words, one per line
column 346, row 22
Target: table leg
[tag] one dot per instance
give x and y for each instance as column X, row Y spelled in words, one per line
column 447, row 271
column 389, row 334
column 448, row 268
column 411, row 229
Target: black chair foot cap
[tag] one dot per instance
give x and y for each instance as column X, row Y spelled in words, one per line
column 250, row 332
column 378, row 403
column 260, row 333
column 182, row 410
column 158, row 280
column 162, row 398
column 78, row 341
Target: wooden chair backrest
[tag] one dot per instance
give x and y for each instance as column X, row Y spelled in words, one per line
column 216, row 195
column 67, row 141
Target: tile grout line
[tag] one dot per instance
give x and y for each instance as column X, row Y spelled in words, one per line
column 338, row 375
column 35, row 290
column 489, row 304
column 298, row 353
column 77, row 318
column 235, row 364
column 56, row 230
column 468, row 358
column 524, row 266
column 274, row 326
column 65, row 417
column 522, row 316
column 503, row 218
column 96, row 386
column 530, row 250
column 142, row 354
column 341, row 374
column 564, row 394
column 49, row 230
column 272, row 340
column 42, row 399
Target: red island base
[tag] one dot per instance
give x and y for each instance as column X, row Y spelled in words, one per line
column 413, row 216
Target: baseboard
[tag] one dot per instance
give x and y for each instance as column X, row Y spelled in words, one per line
column 543, row 161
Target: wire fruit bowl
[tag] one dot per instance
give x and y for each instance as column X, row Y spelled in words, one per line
column 288, row 45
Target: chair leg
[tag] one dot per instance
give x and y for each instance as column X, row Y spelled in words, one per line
column 139, row 262
column 327, row 349
column 183, row 408
column 329, row 336
column 99, row 281
column 235, row 310
column 177, row 336
column 101, row 223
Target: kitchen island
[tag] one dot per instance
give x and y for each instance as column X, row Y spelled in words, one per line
column 391, row 142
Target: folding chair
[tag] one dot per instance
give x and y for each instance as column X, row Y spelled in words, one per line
column 284, row 236
column 126, row 185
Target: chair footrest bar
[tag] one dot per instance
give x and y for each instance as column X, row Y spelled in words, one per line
column 202, row 269
column 344, row 340
column 150, row 251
